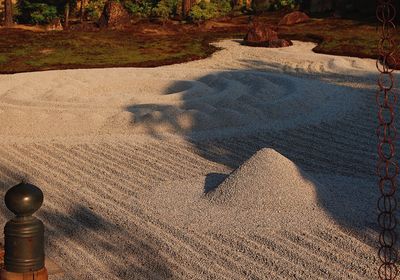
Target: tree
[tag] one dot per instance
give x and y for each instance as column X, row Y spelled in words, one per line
column 66, row 14
column 82, row 11
column 8, row 10
column 186, row 6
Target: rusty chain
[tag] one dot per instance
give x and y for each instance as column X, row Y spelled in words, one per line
column 387, row 168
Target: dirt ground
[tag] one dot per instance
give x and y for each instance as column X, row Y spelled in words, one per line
column 149, row 43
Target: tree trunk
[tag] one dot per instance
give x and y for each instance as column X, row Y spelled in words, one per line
column 237, row 3
column 186, row 5
column 8, row 21
column 82, row 9
column 66, row 15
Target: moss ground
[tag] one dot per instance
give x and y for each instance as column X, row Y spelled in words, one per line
column 148, row 44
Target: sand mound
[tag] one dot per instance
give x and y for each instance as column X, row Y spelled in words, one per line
column 268, row 181
column 263, row 192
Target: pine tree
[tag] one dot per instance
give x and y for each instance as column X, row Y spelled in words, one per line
column 8, row 13
column 66, row 14
column 82, row 11
column 186, row 6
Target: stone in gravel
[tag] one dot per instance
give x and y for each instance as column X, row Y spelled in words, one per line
column 294, row 18
column 279, row 43
column 261, row 35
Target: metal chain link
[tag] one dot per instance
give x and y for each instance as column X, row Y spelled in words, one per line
column 387, row 168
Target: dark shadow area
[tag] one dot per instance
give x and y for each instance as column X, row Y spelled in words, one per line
column 339, row 154
column 132, row 252
column 81, row 233
column 350, row 202
column 156, row 113
column 213, row 180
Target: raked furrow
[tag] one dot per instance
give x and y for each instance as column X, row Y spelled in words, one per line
column 316, row 254
column 187, row 153
column 271, row 256
column 239, row 262
column 138, row 180
column 48, row 161
column 86, row 218
column 306, row 262
column 354, row 262
column 158, row 168
column 64, row 200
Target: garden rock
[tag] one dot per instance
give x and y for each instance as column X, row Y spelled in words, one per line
column 261, row 35
column 114, row 16
column 279, row 43
column 294, row 18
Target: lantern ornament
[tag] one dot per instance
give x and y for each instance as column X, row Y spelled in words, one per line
column 24, row 234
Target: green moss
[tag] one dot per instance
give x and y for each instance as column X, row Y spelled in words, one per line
column 3, row 58
column 92, row 49
column 21, row 52
column 29, row 51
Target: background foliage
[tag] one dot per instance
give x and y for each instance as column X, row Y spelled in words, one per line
column 283, row 4
column 207, row 10
column 44, row 11
column 94, row 8
column 41, row 11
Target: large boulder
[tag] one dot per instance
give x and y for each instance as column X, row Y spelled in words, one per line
column 294, row 18
column 260, row 32
column 278, row 43
column 261, row 35
column 114, row 16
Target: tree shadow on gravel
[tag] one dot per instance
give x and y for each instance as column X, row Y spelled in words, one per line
column 82, row 239
column 131, row 253
column 340, row 153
